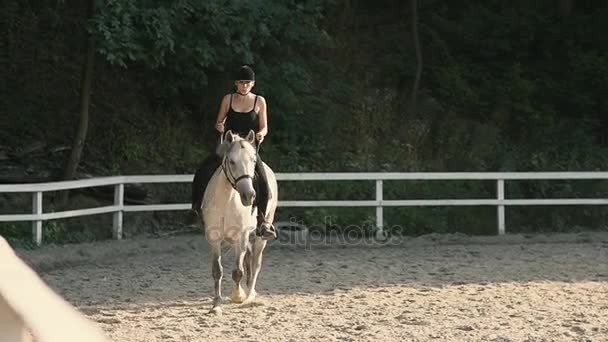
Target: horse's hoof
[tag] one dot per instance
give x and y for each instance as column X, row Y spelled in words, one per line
column 216, row 311
column 250, row 298
column 237, row 296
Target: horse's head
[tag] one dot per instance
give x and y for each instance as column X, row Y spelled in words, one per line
column 238, row 163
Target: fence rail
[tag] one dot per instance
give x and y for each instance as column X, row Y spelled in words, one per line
column 119, row 208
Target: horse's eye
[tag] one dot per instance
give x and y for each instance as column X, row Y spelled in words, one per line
column 232, row 162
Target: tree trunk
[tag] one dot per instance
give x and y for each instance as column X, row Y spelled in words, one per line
column 414, row 10
column 85, row 94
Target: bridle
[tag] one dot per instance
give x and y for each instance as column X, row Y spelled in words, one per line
column 230, row 177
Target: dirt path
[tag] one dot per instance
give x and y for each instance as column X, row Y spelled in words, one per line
column 433, row 288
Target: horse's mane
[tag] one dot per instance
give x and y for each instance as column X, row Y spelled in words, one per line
column 225, row 147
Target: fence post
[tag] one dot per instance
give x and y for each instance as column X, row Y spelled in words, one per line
column 119, row 191
column 500, row 192
column 37, row 224
column 379, row 212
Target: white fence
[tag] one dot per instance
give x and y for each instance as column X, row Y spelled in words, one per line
column 118, row 208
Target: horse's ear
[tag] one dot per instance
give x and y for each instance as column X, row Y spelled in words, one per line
column 251, row 136
column 228, row 136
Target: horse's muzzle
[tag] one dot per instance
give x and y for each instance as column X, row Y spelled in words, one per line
column 247, row 197
column 244, row 186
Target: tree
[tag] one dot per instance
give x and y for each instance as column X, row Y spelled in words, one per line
column 85, row 96
column 415, row 87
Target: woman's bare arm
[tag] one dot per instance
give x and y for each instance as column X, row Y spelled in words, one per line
column 221, row 114
column 262, row 119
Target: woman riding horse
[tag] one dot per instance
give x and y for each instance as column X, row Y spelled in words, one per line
column 240, row 112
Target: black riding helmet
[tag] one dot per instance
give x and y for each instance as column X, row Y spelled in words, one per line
column 244, row 73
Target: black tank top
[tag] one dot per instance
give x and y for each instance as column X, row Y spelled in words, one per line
column 242, row 122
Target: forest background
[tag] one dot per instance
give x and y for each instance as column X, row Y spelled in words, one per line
column 119, row 87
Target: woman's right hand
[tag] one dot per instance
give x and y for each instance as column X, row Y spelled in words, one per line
column 219, row 126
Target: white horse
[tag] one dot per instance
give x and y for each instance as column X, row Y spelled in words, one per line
column 31, row 311
column 228, row 215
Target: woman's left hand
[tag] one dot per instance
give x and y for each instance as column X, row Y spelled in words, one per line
column 259, row 137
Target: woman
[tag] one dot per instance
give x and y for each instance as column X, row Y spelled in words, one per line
column 240, row 112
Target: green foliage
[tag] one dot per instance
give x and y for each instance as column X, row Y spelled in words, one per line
column 138, row 147
column 18, row 234
column 184, row 41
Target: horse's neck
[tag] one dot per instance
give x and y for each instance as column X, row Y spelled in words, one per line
column 219, row 189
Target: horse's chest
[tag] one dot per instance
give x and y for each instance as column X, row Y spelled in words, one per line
column 231, row 222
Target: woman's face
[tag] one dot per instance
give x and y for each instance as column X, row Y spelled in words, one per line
column 243, row 87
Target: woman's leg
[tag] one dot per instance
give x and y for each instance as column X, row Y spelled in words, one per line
column 201, row 179
column 261, row 187
column 265, row 229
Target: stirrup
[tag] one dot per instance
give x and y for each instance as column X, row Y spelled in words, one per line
column 266, row 231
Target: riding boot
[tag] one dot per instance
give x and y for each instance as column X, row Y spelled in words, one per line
column 264, row 229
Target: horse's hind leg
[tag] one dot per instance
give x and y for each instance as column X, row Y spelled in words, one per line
column 217, row 271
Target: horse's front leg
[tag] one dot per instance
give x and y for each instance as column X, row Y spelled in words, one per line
column 238, row 294
column 247, row 264
column 256, row 265
column 217, row 271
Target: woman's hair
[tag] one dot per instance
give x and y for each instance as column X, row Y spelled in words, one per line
column 244, row 73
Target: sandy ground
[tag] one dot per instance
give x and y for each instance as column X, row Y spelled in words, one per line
column 431, row 288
